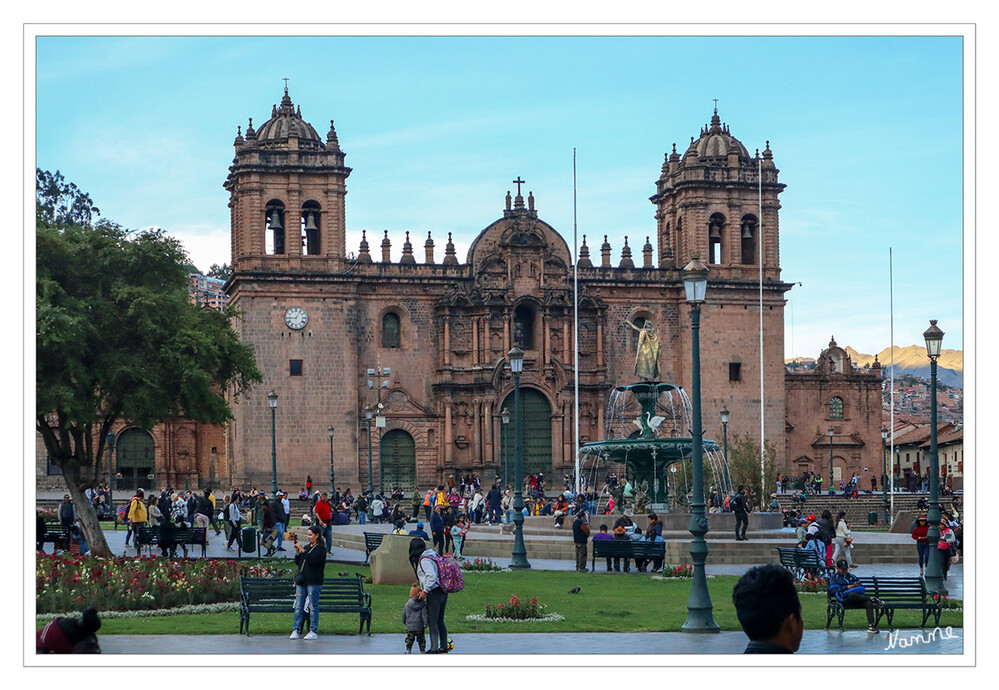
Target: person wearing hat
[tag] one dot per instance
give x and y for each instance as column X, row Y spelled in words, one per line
column 801, row 530
column 847, row 590
column 621, row 534
column 919, row 534
column 769, row 610
column 419, row 532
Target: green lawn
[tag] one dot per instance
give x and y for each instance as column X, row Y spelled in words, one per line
column 606, row 603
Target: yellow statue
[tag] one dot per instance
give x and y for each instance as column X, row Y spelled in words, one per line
column 647, row 352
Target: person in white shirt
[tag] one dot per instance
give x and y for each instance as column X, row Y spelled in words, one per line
column 377, row 506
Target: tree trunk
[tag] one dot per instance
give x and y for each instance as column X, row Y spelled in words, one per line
column 85, row 512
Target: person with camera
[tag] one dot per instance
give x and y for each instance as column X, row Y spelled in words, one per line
column 311, row 562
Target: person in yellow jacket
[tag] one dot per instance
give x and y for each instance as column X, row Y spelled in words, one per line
column 137, row 517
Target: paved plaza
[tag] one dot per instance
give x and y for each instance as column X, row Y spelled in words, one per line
column 670, row 644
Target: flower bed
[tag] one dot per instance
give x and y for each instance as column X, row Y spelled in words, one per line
column 482, row 565
column 676, row 572
column 69, row 583
column 818, row 586
column 516, row 609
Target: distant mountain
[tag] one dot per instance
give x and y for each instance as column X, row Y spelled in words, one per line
column 912, row 360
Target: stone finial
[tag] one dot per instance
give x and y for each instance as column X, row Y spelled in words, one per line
column 509, row 201
column 605, row 253
column 450, row 258
column 331, row 138
column 626, row 261
column 386, row 249
column 239, row 136
column 428, row 246
column 250, row 132
column 530, row 201
column 364, row 255
column 407, row 252
column 647, row 254
column 584, row 256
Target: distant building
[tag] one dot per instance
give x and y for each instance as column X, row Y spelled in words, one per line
column 840, row 397
column 207, row 291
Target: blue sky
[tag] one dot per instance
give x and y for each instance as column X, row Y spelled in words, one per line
column 866, row 131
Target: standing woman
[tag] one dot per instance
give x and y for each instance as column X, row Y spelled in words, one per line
column 308, row 484
column 311, row 562
column 155, row 514
column 922, row 541
column 843, row 542
column 424, row 565
column 946, row 547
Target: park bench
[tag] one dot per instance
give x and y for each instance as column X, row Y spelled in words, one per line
column 150, row 536
column 372, row 540
column 57, row 535
column 803, row 563
column 277, row 595
column 618, row 548
column 892, row 593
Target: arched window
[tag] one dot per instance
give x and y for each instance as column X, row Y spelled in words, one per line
column 748, row 233
column 523, row 327
column 715, row 225
column 310, row 228
column 836, row 408
column 390, row 330
column 274, row 227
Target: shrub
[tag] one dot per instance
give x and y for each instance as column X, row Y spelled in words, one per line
column 480, row 565
column 516, row 610
column 811, row 586
column 67, row 583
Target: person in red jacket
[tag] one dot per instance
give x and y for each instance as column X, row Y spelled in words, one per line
column 324, row 518
column 922, row 541
column 70, row 635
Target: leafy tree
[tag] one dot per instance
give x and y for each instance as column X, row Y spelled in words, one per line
column 744, row 467
column 62, row 203
column 221, row 272
column 117, row 338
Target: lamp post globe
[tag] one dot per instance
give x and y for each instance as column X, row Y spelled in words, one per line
column 518, row 558
column 934, row 568
column 272, row 399
column 700, row 618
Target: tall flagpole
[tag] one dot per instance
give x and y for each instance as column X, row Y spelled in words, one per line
column 763, row 402
column 891, row 392
column 575, row 319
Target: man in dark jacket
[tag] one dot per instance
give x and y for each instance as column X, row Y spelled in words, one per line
column 311, row 562
column 280, row 520
column 848, row 591
column 738, row 506
column 493, row 500
column 580, row 534
column 67, row 513
column 769, row 611
column 437, row 528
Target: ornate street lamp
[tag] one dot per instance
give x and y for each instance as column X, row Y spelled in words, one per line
column 519, row 555
column 700, row 618
column 505, row 417
column 884, row 476
column 332, row 472
column 934, row 571
column 380, row 424
column 368, row 414
column 831, row 490
column 724, row 415
column 272, row 398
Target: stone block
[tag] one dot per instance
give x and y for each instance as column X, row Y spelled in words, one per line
column 390, row 561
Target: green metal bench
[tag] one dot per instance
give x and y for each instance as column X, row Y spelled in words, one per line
column 372, row 540
column 892, row 593
column 803, row 562
column 192, row 536
column 277, row 595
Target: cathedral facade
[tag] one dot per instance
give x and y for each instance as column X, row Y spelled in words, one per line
column 339, row 332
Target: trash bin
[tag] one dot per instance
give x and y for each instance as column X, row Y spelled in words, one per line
column 872, row 517
column 248, row 539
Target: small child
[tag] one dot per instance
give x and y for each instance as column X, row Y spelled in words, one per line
column 416, row 620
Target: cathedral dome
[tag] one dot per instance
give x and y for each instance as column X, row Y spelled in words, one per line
column 717, row 142
column 286, row 121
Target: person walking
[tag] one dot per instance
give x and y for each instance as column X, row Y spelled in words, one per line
column 843, row 541
column 424, row 562
column 738, row 506
column 137, row 517
column 234, row 517
column 946, row 547
column 311, row 564
column 280, row 520
column 580, row 535
column 437, row 528
column 493, row 500
column 323, row 512
column 919, row 533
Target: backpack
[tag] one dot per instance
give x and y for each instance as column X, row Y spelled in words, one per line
column 735, row 503
column 449, row 574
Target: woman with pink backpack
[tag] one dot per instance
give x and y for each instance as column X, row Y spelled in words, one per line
column 427, row 565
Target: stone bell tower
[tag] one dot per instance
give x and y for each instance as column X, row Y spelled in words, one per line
column 286, row 196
